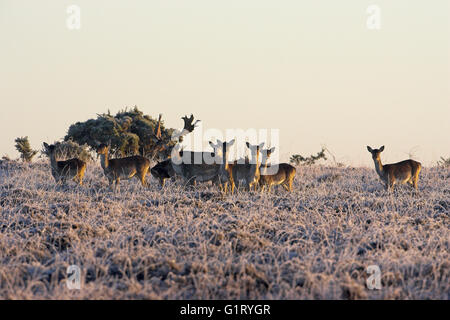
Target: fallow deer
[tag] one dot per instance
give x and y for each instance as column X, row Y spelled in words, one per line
column 185, row 165
column 122, row 168
column 406, row 171
column 284, row 176
column 63, row 170
column 162, row 171
column 189, row 165
column 233, row 173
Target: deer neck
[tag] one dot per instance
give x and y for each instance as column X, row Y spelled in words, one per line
column 104, row 161
column 224, row 160
column 176, row 158
column 378, row 166
column 255, row 166
column 264, row 165
column 53, row 162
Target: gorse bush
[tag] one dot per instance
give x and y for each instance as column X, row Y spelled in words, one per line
column 298, row 159
column 129, row 132
column 23, row 146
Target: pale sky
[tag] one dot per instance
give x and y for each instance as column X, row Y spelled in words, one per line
column 309, row 68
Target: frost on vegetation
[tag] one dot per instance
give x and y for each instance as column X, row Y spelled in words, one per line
column 194, row 243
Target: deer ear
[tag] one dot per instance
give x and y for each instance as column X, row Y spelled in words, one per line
column 272, row 150
column 247, row 144
column 261, row 145
column 381, row 149
column 369, row 149
column 231, row 142
column 212, row 144
column 45, row 145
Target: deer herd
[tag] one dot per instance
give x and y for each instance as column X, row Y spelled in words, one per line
column 250, row 173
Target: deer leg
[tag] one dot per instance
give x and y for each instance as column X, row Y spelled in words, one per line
column 291, row 182
column 416, row 179
column 411, row 183
column 390, row 184
column 416, row 186
column 141, row 177
column 247, row 186
column 144, row 177
column 144, row 183
column 414, row 182
column 262, row 187
column 116, row 185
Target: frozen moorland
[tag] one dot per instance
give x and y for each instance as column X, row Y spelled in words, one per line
column 194, row 243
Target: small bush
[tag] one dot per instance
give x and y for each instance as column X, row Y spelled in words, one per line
column 298, row 159
column 23, row 146
column 444, row 162
column 130, row 132
column 69, row 150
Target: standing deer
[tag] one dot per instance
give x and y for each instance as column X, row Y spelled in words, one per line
column 233, row 173
column 162, row 171
column 406, row 171
column 63, row 170
column 189, row 165
column 284, row 176
column 225, row 175
column 122, row 168
column 184, row 165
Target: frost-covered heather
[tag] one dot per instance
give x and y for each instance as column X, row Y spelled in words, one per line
column 314, row 243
